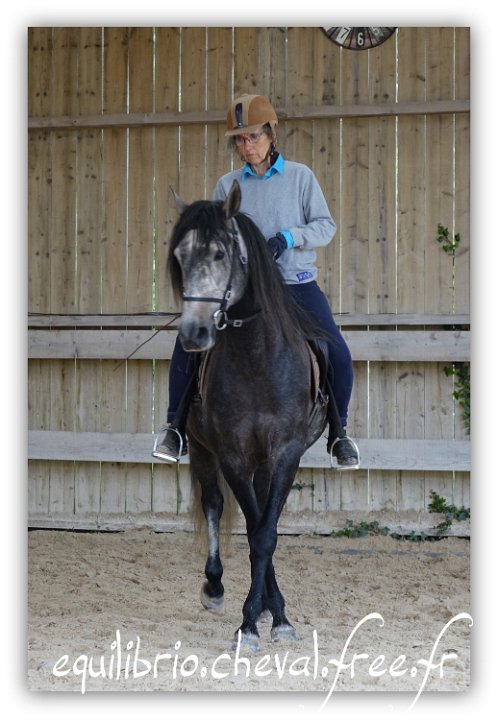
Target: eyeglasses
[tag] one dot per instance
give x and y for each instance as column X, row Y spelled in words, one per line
column 251, row 138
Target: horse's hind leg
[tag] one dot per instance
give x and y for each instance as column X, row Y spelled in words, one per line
column 204, row 472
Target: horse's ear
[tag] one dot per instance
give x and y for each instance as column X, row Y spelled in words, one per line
column 232, row 203
column 181, row 205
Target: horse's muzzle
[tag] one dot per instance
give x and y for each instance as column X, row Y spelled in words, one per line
column 196, row 337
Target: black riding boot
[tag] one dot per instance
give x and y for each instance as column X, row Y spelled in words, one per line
column 182, row 388
column 344, row 453
column 172, row 446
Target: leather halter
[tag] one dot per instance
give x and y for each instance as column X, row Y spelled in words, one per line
column 220, row 317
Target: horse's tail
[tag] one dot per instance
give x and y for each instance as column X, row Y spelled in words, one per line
column 199, row 521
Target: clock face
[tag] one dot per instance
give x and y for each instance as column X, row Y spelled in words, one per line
column 359, row 38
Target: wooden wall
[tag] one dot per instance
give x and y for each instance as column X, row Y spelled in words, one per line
column 118, row 115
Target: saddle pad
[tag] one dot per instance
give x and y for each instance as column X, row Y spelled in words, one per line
column 315, row 373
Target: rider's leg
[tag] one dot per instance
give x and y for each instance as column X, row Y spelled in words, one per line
column 174, row 443
column 340, row 373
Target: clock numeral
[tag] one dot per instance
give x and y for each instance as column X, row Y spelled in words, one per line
column 343, row 33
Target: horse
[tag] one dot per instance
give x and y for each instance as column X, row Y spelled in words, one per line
column 254, row 414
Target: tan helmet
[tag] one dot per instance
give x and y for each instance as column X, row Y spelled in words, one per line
column 248, row 112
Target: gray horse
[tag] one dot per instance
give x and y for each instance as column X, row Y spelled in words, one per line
column 257, row 408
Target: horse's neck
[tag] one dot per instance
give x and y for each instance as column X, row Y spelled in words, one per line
column 252, row 347
column 255, row 342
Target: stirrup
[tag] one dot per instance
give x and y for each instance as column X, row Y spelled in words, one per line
column 334, row 464
column 167, row 452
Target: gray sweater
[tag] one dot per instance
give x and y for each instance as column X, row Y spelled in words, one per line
column 289, row 200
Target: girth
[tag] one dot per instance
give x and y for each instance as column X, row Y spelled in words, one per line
column 318, row 365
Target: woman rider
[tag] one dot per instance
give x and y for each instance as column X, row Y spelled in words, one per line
column 286, row 202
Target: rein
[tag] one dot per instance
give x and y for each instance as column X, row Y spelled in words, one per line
column 220, row 316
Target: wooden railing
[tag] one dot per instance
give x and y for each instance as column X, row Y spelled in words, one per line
column 386, row 338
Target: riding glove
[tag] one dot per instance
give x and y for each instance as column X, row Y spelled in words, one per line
column 277, row 244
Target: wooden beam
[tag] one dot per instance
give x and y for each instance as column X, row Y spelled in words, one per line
column 320, row 523
column 318, row 112
column 384, row 345
column 400, row 319
column 376, row 454
column 160, row 319
column 111, row 320
column 100, row 344
column 409, row 345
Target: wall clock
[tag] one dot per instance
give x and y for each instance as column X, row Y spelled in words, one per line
column 359, row 38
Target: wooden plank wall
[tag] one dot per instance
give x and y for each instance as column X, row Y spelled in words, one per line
column 100, row 215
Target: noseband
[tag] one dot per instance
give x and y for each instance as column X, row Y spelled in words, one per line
column 220, row 317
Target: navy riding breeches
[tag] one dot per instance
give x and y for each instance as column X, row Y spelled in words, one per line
column 312, row 299
column 180, row 372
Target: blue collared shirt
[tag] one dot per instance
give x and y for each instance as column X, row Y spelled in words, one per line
column 277, row 167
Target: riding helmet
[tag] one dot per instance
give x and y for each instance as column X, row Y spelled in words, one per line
column 248, row 113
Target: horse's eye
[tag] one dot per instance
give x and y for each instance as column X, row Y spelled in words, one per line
column 219, row 255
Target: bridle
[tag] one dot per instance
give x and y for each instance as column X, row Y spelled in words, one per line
column 220, row 316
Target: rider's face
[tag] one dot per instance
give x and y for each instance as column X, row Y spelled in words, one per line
column 254, row 147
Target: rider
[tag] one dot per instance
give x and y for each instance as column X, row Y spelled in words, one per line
column 286, row 202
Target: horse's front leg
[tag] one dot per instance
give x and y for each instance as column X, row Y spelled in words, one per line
column 262, row 535
column 261, row 484
column 274, row 602
column 265, row 595
column 281, row 627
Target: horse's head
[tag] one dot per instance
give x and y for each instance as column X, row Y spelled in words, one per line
column 207, row 265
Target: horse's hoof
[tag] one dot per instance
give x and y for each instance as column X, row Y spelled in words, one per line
column 265, row 617
column 244, row 641
column 283, row 632
column 215, row 604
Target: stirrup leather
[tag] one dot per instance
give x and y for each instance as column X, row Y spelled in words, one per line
column 162, row 452
column 334, row 464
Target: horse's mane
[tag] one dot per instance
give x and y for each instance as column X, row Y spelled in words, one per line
column 266, row 287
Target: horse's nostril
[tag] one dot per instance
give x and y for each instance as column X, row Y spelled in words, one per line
column 195, row 337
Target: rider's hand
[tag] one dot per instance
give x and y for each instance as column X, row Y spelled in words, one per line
column 277, row 245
